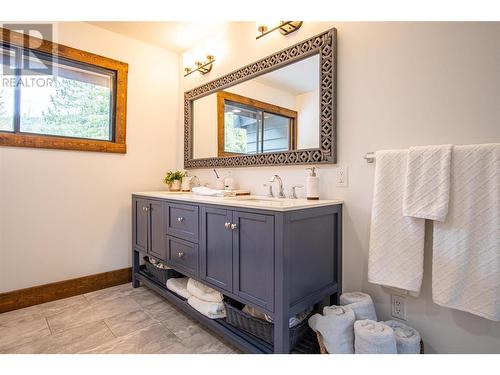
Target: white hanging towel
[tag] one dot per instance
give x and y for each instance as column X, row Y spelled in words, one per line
column 427, row 186
column 466, row 255
column 396, row 254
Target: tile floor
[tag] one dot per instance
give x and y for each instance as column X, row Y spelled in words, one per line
column 120, row 319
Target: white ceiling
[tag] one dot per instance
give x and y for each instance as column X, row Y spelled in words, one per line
column 296, row 79
column 174, row 36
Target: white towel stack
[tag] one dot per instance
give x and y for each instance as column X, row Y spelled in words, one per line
column 178, row 285
column 371, row 337
column 205, row 300
column 203, row 292
column 407, row 338
column 361, row 304
column 213, row 310
column 336, row 328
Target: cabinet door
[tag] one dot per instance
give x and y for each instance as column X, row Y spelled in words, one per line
column 140, row 227
column 216, row 248
column 157, row 233
column 253, row 249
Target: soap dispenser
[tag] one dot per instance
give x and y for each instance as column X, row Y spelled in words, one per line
column 312, row 184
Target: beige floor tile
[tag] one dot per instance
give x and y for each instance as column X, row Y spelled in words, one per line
column 118, row 291
column 15, row 317
column 181, row 325
column 124, row 324
column 74, row 340
column 147, row 297
column 161, row 311
column 62, row 305
column 21, row 333
column 92, row 313
column 152, row 339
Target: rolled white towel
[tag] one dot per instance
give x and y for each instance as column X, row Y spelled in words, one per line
column 336, row 328
column 371, row 337
column 203, row 292
column 212, row 310
column 361, row 303
column 178, row 285
column 407, row 338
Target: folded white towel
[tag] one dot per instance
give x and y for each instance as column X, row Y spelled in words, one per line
column 396, row 254
column 178, row 285
column 203, row 292
column 407, row 338
column 212, row 310
column 203, row 190
column 360, row 303
column 371, row 337
column 336, row 328
column 466, row 249
column 427, row 187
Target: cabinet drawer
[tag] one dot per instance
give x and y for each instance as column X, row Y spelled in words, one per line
column 183, row 255
column 182, row 221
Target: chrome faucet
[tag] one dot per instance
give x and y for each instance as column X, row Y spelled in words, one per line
column 281, row 193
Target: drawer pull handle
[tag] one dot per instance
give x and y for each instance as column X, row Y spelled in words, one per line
column 234, row 226
column 180, row 219
column 227, row 225
column 144, row 208
column 180, row 254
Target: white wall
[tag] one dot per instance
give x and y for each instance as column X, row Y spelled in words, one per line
column 399, row 84
column 307, row 105
column 65, row 214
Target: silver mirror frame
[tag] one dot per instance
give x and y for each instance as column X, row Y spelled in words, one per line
column 324, row 44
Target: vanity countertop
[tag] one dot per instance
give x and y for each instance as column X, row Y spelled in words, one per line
column 245, row 201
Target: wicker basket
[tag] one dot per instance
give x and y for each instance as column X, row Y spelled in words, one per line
column 160, row 275
column 322, row 347
column 258, row 327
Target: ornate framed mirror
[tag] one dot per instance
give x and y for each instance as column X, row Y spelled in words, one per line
column 279, row 110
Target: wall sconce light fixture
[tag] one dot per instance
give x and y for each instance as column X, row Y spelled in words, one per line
column 202, row 67
column 285, row 28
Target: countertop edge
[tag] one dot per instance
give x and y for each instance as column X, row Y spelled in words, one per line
column 235, row 201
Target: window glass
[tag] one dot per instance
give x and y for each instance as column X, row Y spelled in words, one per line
column 74, row 100
column 7, row 89
column 241, row 129
column 276, row 133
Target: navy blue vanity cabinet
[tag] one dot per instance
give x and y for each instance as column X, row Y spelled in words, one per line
column 278, row 261
column 217, row 248
column 148, row 231
column 253, row 258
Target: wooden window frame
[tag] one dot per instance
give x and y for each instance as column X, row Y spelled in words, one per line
column 118, row 144
column 222, row 96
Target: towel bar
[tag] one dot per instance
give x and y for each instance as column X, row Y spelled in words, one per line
column 369, row 157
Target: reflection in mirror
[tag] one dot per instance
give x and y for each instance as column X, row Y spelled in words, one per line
column 277, row 111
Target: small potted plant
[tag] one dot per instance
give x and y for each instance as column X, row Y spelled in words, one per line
column 173, row 180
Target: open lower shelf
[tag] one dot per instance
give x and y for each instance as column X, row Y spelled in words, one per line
column 244, row 341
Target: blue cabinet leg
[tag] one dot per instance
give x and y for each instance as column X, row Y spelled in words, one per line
column 281, row 334
column 135, row 268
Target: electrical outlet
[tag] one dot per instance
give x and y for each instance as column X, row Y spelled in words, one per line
column 398, row 307
column 341, row 178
